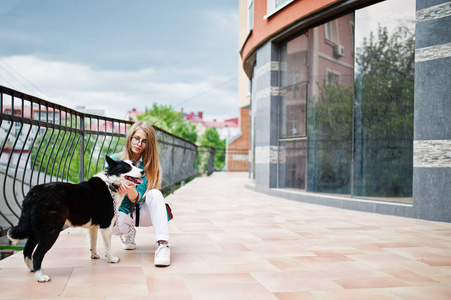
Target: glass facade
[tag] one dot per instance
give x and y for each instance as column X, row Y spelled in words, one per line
column 293, row 91
column 346, row 105
column 293, row 158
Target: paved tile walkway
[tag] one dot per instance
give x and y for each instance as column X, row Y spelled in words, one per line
column 229, row 242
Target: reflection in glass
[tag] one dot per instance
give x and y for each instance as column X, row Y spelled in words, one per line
column 293, row 61
column 292, row 157
column 293, row 112
column 293, row 103
column 294, row 67
column 330, row 107
column 354, row 79
column 384, row 97
column 293, row 77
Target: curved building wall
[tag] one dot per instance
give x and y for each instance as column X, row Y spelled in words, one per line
column 348, row 113
column 267, row 25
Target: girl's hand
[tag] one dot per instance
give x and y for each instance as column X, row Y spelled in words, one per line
column 129, row 189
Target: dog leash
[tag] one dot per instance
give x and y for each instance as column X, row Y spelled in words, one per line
column 113, row 190
column 137, row 213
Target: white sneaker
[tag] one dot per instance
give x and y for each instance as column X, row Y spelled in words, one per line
column 162, row 256
column 128, row 241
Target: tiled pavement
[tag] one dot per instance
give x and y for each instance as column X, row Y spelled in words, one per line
column 229, row 242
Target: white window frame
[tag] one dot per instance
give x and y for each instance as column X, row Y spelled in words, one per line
column 249, row 87
column 331, row 31
column 272, row 7
column 334, row 74
column 250, row 15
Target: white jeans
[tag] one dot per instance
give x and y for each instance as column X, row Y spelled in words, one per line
column 152, row 212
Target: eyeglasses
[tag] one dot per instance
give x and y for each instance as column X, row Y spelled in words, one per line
column 137, row 141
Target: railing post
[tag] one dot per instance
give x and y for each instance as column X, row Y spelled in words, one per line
column 172, row 165
column 81, row 174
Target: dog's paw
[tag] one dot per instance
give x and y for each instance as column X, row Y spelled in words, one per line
column 29, row 263
column 41, row 277
column 44, row 278
column 95, row 256
column 114, row 259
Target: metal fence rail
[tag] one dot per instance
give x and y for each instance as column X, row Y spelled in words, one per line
column 45, row 142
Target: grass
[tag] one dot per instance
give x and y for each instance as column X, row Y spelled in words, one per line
column 16, row 248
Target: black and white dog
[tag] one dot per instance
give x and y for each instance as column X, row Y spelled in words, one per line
column 90, row 204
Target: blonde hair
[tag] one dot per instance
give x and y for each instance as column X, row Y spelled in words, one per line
column 150, row 157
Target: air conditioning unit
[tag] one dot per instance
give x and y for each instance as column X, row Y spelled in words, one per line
column 339, row 51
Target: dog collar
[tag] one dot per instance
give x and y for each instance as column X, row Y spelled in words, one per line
column 113, row 187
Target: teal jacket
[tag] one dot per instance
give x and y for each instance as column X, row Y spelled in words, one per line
column 126, row 204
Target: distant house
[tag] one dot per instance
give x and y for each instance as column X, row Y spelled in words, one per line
column 107, row 126
column 19, row 133
column 237, row 156
column 132, row 115
column 226, row 129
column 91, row 111
column 193, row 117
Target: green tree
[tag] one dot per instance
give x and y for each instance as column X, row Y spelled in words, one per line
column 390, row 56
column 387, row 78
column 211, row 139
column 330, row 139
column 164, row 117
column 334, row 109
column 384, row 111
column 54, row 153
column 383, row 125
column 57, row 153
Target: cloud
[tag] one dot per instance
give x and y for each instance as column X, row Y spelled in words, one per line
column 117, row 92
column 123, row 55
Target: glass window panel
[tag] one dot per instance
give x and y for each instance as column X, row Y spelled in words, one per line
column 331, row 31
column 292, row 162
column 360, row 105
column 384, row 98
column 330, row 109
column 294, row 66
column 293, row 106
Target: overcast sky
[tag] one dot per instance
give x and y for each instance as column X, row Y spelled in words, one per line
column 117, row 55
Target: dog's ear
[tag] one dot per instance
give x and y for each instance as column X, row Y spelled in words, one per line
column 109, row 160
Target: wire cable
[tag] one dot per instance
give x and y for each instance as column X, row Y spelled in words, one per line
column 34, row 87
column 204, row 92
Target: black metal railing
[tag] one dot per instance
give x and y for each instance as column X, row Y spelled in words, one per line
column 46, row 142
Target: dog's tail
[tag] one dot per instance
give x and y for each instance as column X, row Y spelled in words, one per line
column 23, row 229
column 19, row 232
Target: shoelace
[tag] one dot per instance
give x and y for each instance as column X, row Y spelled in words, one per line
column 161, row 249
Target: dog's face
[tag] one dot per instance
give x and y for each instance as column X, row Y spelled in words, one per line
column 123, row 171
